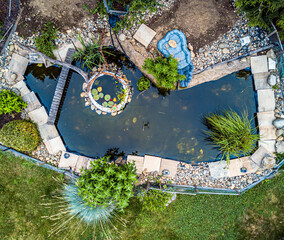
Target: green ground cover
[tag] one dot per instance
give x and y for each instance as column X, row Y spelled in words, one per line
column 255, row 215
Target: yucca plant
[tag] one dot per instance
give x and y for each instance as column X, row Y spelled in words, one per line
column 90, row 54
column 231, row 133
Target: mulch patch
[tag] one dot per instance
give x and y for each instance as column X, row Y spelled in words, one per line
column 4, row 118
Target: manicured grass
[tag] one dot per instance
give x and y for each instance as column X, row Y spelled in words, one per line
column 258, row 214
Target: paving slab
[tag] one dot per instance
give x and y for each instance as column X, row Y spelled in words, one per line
column 55, row 145
column 138, row 161
column 266, row 100
column 32, row 101
column 69, row 162
column 259, row 64
column 219, row 169
column 152, row 163
column 39, row 116
column 48, row 132
column 260, row 81
column 170, row 165
column 271, row 64
column 259, row 154
column 236, row 165
column 82, row 163
column 266, row 129
column 22, row 87
column 268, row 144
column 18, row 65
column 144, row 35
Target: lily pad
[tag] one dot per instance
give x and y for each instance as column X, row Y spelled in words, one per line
column 110, row 103
column 105, row 104
column 101, row 95
column 94, row 91
column 96, row 97
column 107, row 97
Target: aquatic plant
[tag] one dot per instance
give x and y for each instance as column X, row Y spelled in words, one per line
column 105, row 104
column 107, row 184
column 10, row 102
column 96, row 97
column 21, row 135
column 110, row 103
column 143, row 84
column 107, row 97
column 164, row 70
column 100, row 89
column 122, row 95
column 231, row 133
column 101, row 95
column 45, row 41
column 94, row 91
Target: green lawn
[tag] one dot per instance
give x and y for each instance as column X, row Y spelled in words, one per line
column 255, row 215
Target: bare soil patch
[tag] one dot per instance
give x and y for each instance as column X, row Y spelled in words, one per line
column 4, row 118
column 64, row 14
column 202, row 22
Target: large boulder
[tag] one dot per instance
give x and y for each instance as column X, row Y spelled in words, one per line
column 267, row 163
column 278, row 123
column 280, row 147
column 271, row 80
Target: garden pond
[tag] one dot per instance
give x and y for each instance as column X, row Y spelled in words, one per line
column 169, row 125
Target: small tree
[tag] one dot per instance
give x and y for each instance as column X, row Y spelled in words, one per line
column 164, row 70
column 10, row 102
column 263, row 12
column 231, row 133
column 107, row 184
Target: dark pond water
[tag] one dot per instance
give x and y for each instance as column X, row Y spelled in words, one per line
column 169, row 126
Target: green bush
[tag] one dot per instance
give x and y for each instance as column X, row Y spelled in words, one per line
column 231, row 133
column 107, row 184
column 154, row 200
column 143, row 84
column 136, row 10
column 21, row 135
column 164, row 70
column 263, row 12
column 10, row 102
column 45, row 41
column 1, row 33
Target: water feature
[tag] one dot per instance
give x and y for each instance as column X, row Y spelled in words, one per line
column 167, row 125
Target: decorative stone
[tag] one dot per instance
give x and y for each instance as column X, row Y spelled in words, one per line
column 268, row 162
column 122, row 37
column 14, row 76
column 271, row 64
column 226, row 51
column 280, row 147
column 271, row 54
column 223, row 45
column 279, row 132
column 189, row 46
column 83, row 94
column 271, row 80
column 85, row 85
column 278, row 123
column 87, row 103
column 173, row 43
column 93, row 107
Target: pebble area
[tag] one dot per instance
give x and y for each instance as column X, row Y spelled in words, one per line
column 225, row 47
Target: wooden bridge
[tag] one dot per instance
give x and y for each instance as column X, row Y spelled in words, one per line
column 59, row 88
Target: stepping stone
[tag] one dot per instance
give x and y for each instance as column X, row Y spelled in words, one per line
column 54, row 145
column 69, row 162
column 32, row 101
column 22, row 87
column 219, row 169
column 18, row 65
column 266, row 129
column 39, row 116
column 170, row 165
column 236, row 165
column 144, row 35
column 267, row 144
column 266, row 100
column 82, row 163
column 260, row 81
column 152, row 163
column 259, row 64
column 48, row 132
column 138, row 161
column 259, row 154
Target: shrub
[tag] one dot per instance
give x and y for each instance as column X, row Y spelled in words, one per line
column 21, row 135
column 143, row 84
column 154, row 200
column 164, row 70
column 135, row 14
column 231, row 133
column 263, row 12
column 45, row 41
column 10, row 102
column 107, row 184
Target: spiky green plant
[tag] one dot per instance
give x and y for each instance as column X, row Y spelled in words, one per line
column 107, row 184
column 90, row 54
column 231, row 133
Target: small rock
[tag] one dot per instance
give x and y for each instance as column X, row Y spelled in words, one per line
column 122, row 37
column 226, row 51
column 271, row 54
column 279, row 147
column 223, row 45
column 85, row 85
column 14, row 76
column 278, row 123
column 271, row 80
column 190, row 47
column 93, row 107
column 268, row 162
column 279, row 132
column 83, row 94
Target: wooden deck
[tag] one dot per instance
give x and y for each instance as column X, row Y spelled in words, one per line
column 59, row 89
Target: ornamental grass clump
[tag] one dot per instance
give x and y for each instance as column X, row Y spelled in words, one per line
column 231, row 133
column 107, row 184
column 22, row 135
column 10, row 102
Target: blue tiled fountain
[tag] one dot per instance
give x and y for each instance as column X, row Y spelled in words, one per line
column 179, row 51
